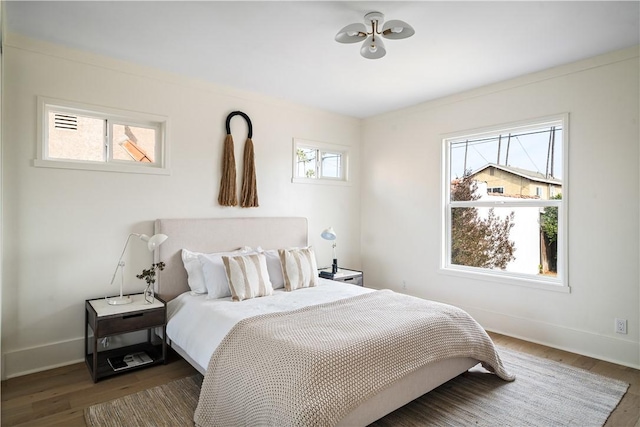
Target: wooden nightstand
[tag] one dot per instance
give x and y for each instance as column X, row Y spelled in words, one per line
column 107, row 320
column 353, row 277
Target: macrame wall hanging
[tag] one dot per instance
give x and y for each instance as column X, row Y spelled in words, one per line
column 249, row 194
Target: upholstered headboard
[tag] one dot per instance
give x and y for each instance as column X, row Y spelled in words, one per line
column 208, row 235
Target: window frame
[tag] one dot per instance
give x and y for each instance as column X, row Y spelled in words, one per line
column 320, row 147
column 561, row 282
column 111, row 116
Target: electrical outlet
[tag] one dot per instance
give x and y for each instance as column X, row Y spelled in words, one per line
column 621, row 326
column 404, row 285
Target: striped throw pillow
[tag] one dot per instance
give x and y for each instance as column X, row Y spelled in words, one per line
column 248, row 276
column 299, row 268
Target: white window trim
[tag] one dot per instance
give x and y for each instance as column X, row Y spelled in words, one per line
column 561, row 283
column 161, row 167
column 322, row 146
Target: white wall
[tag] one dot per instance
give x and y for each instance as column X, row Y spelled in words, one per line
column 64, row 229
column 401, row 193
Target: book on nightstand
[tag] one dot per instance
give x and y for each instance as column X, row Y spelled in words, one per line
column 129, row 361
column 326, row 274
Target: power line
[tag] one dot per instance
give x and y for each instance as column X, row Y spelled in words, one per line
column 480, row 154
column 496, row 137
column 525, row 152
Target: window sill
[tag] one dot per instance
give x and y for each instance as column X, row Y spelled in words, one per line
column 320, row 181
column 507, row 279
column 62, row 164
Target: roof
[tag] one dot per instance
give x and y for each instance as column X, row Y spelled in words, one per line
column 531, row 175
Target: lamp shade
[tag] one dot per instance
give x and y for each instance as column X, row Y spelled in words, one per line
column 154, row 241
column 352, row 33
column 373, row 48
column 396, row 29
column 329, row 234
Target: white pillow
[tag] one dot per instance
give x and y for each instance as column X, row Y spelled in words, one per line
column 274, row 267
column 299, row 268
column 215, row 277
column 195, row 276
column 194, row 271
column 247, row 276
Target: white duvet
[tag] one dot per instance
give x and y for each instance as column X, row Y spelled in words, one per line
column 197, row 325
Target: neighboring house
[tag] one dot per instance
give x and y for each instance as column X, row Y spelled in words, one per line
column 516, row 182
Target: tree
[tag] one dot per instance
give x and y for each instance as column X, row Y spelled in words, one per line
column 476, row 241
column 549, row 229
column 549, row 221
column 303, row 158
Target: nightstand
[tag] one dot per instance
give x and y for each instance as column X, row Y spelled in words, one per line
column 353, row 277
column 108, row 320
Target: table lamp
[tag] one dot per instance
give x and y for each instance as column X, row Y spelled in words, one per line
column 329, row 234
column 152, row 243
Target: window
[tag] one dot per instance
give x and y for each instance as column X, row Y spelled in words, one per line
column 317, row 162
column 504, row 203
column 538, row 191
column 76, row 136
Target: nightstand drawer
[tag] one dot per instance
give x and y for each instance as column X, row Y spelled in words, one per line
column 127, row 322
column 353, row 280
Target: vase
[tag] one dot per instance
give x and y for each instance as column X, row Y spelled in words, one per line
column 148, row 294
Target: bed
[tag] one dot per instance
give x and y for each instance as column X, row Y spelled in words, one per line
column 228, row 234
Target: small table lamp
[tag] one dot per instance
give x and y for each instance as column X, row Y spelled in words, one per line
column 329, row 234
column 152, row 243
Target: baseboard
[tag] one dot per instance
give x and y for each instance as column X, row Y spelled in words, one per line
column 35, row 359
column 54, row 355
column 620, row 351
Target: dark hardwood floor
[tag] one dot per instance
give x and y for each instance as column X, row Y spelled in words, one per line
column 59, row 396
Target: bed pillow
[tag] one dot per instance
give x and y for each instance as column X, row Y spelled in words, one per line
column 299, row 268
column 195, row 276
column 194, row 271
column 247, row 276
column 273, row 267
column 214, row 274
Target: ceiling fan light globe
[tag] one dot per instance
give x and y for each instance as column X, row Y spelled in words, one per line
column 396, row 29
column 352, row 33
column 373, row 49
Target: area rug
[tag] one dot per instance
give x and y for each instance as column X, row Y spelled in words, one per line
column 170, row 405
column 545, row 393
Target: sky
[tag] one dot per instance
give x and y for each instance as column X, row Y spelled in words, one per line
column 527, row 150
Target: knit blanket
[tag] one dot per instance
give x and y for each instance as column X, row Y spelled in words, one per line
column 314, row 365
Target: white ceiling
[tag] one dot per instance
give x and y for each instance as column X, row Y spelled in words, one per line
column 287, row 49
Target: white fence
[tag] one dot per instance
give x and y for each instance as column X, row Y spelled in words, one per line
column 525, row 232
